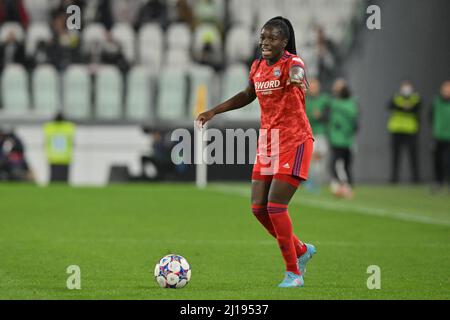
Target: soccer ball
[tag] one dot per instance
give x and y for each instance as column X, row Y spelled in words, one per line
column 172, row 271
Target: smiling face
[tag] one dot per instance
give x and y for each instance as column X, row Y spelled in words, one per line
column 272, row 43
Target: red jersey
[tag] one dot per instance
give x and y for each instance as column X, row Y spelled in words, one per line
column 282, row 105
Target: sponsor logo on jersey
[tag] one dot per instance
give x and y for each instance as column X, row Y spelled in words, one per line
column 267, row 85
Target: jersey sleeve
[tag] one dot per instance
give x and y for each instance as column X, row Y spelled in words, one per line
column 296, row 61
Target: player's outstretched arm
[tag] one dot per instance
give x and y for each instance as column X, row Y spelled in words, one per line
column 238, row 101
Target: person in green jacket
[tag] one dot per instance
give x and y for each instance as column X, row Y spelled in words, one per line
column 403, row 125
column 316, row 106
column 440, row 122
column 341, row 128
column 59, row 142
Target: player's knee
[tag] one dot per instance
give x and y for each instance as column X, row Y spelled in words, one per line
column 280, row 198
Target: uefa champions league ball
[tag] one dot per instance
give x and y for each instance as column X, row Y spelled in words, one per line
column 172, row 271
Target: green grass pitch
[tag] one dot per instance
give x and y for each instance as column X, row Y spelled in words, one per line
column 118, row 233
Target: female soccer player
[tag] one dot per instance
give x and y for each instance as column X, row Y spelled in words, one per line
column 285, row 143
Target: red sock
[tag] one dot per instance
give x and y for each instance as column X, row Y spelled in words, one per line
column 262, row 215
column 282, row 225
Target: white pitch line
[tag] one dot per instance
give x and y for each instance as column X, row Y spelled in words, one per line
column 333, row 206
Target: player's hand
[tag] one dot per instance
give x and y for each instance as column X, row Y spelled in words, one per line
column 204, row 117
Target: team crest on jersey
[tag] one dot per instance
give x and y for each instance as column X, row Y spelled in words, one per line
column 277, row 72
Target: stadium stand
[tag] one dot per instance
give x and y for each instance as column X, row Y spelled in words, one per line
column 201, row 78
column 221, row 34
column 124, row 35
column 236, row 77
column 46, row 92
column 108, row 88
column 15, row 92
column 139, row 103
column 179, row 37
column 172, row 95
column 150, row 46
column 77, row 92
column 37, row 32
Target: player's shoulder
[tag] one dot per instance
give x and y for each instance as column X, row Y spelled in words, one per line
column 255, row 62
column 293, row 59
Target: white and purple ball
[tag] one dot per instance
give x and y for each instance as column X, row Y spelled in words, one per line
column 172, row 271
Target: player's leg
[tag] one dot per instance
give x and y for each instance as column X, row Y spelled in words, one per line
column 395, row 151
column 260, row 191
column 414, row 158
column 280, row 194
column 259, row 198
column 282, row 189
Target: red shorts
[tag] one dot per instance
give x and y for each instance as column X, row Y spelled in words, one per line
column 291, row 167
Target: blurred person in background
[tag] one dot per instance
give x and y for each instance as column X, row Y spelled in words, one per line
column 316, row 106
column 107, row 52
column 326, row 54
column 59, row 137
column 157, row 164
column 152, row 11
column 125, row 11
column 440, row 122
column 13, row 165
column 14, row 11
column 403, row 125
column 342, row 127
column 64, row 47
column 41, row 55
column 11, row 51
column 98, row 11
column 209, row 54
column 183, row 13
column 112, row 53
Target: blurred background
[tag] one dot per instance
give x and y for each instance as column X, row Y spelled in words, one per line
column 103, row 100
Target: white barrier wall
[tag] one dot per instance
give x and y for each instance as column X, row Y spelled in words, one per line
column 97, row 148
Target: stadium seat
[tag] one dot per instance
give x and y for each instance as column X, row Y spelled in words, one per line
column 109, row 90
column 139, row 94
column 172, row 87
column 15, row 93
column 77, row 92
column 123, row 33
column 92, row 33
column 242, row 13
column 308, row 54
column 7, row 27
column 239, row 44
column 178, row 58
column 36, row 32
column 45, row 88
column 38, row 10
column 178, row 36
column 200, row 75
column 267, row 10
column 235, row 79
column 150, row 46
